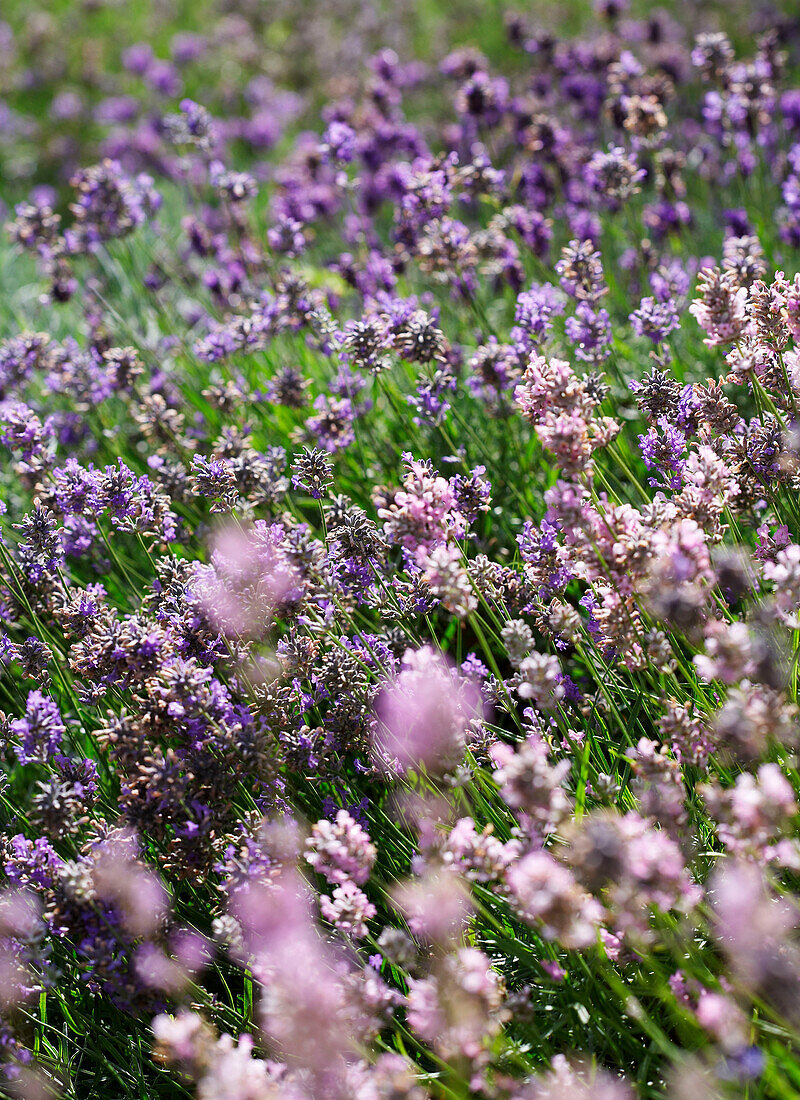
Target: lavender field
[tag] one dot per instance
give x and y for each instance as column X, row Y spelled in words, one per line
column 399, row 550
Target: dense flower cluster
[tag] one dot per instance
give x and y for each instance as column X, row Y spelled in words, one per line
column 400, row 556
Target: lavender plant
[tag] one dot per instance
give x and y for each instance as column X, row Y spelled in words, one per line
column 400, row 552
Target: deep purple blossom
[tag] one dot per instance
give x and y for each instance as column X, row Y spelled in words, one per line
column 40, row 733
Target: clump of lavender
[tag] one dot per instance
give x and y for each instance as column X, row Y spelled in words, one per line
column 399, row 554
